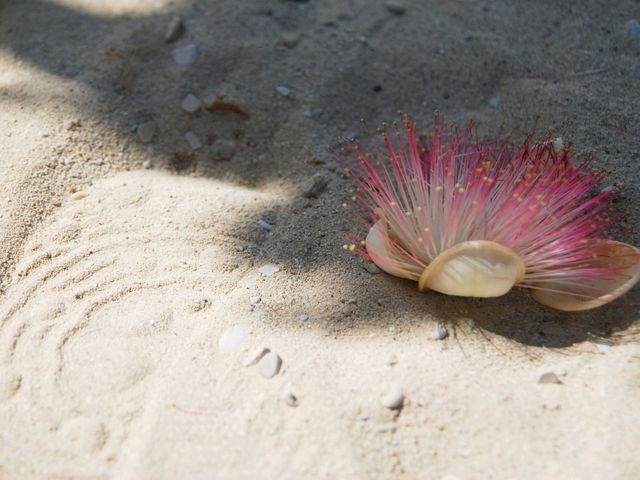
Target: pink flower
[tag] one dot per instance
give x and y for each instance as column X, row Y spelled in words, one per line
column 471, row 219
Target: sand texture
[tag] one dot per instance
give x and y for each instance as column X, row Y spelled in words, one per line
column 140, row 271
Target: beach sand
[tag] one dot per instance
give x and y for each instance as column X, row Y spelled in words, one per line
column 122, row 264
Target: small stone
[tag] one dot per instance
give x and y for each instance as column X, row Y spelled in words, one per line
column 270, row 365
column 471, row 323
column 393, row 359
column 269, row 269
column 395, row 6
column 71, row 123
column 255, row 300
column 558, row 144
column 146, row 131
column 603, row 347
column 548, row 377
column 147, row 164
column 304, row 317
column 389, row 427
column 290, row 399
column 371, row 267
column 633, row 27
column 255, row 356
column 289, row 39
column 232, row 338
column 283, row 90
column 174, row 29
column 79, row 195
column 266, row 226
column 186, row 55
column 314, row 186
column 194, row 141
column 393, row 399
column 440, row 332
column 363, row 417
column 222, row 149
column 191, row 103
column 494, row 102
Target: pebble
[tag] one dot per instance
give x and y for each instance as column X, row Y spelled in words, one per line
column 304, row 317
column 389, row 427
column 603, row 347
column 147, row 164
column 393, row 359
column 194, row 141
column 191, row 103
column 222, row 149
column 174, row 29
column 269, row 270
column 146, row 131
column 186, row 55
column 548, row 377
column 314, row 186
column 558, row 144
column 255, row 300
column 633, row 27
column 363, row 417
column 283, row 90
column 440, row 332
column 71, row 123
column 232, row 338
column 371, row 267
column 494, row 102
column 79, row 195
column 395, row 6
column 289, row 39
column 266, row 226
column 290, row 399
column 270, row 365
column 393, row 399
column 255, row 356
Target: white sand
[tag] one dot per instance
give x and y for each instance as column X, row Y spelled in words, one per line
column 113, row 303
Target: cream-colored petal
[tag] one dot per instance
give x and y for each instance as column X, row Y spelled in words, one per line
column 388, row 257
column 581, row 296
column 478, row 268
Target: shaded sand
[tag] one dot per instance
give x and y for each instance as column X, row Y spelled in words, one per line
column 113, row 298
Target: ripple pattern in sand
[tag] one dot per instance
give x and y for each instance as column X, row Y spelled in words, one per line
column 103, row 300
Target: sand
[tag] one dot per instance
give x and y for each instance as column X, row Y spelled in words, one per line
column 122, row 264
